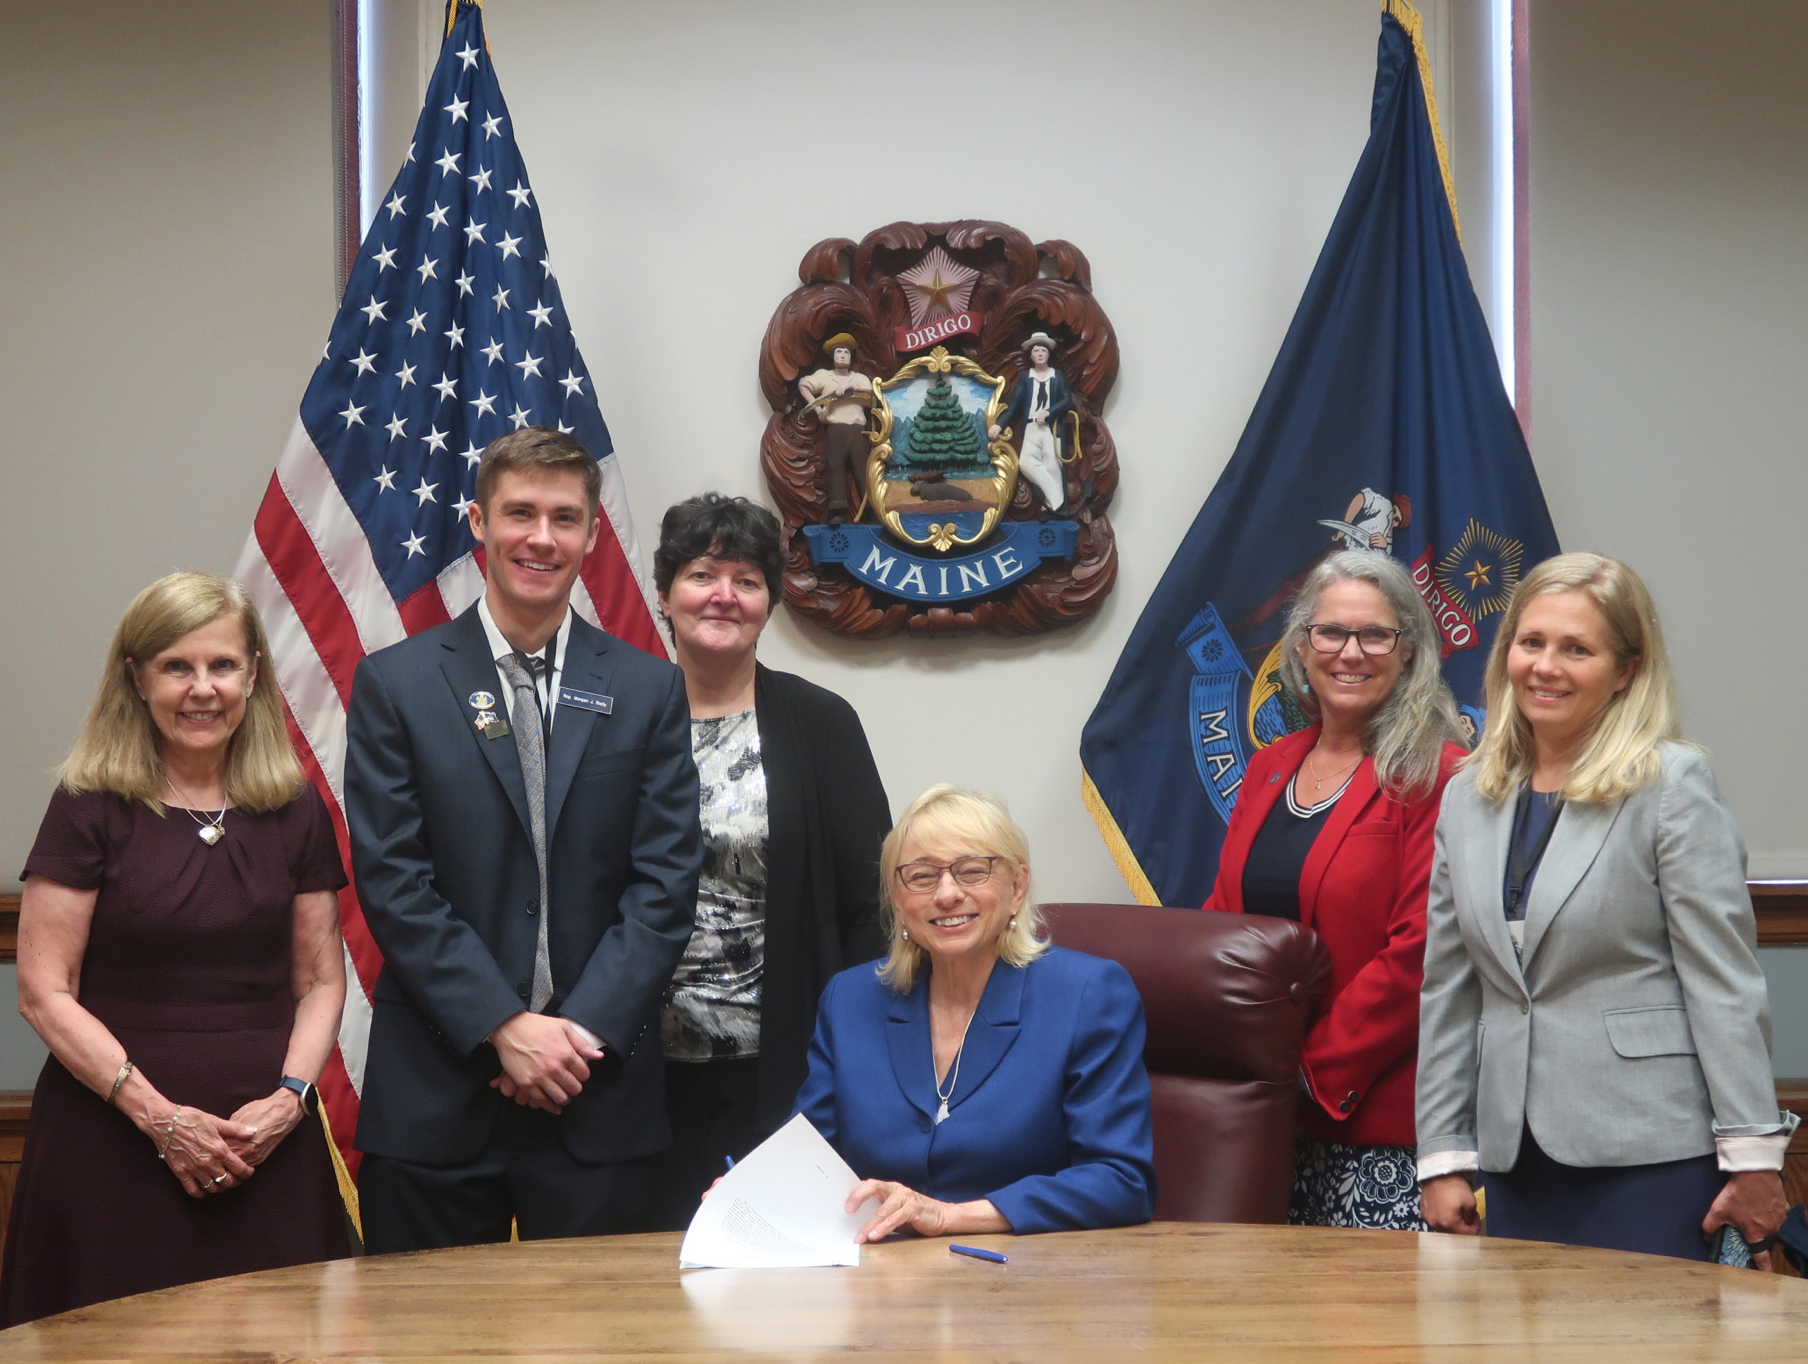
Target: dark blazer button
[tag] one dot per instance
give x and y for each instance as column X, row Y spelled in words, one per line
column 533, row 908
column 923, row 1123
column 1345, row 1106
column 1353, row 1096
column 521, row 989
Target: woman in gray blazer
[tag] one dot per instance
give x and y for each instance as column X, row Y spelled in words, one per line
column 1594, row 1029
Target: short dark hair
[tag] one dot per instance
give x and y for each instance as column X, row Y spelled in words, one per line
column 537, row 447
column 720, row 527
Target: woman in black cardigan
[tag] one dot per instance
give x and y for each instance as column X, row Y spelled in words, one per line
column 793, row 814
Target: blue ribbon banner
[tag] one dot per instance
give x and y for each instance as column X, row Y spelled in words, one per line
column 878, row 562
column 1215, row 723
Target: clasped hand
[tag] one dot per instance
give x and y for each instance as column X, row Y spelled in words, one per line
column 211, row 1155
column 545, row 1062
column 204, row 1152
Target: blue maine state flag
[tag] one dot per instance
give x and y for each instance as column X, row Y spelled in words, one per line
column 1384, row 425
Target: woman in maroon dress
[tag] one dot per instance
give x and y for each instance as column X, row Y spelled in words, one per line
column 179, row 954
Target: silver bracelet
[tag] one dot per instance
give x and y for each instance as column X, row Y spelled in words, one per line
column 169, row 1133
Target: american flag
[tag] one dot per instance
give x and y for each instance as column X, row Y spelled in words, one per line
column 452, row 332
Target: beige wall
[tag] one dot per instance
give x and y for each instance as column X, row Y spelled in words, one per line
column 166, row 282
column 1670, row 368
column 1195, row 152
column 1670, row 343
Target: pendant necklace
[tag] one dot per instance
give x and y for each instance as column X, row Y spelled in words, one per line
column 1318, row 782
column 941, row 1114
column 211, row 830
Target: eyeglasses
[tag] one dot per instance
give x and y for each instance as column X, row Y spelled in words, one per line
column 1376, row 641
column 922, row 878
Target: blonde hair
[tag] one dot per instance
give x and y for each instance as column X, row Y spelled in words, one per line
column 118, row 747
column 977, row 825
column 1620, row 753
column 1407, row 733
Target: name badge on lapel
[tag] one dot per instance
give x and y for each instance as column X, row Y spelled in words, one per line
column 586, row 700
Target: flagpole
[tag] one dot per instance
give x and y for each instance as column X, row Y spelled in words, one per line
column 1414, row 23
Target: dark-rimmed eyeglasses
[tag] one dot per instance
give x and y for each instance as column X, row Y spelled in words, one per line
column 922, row 878
column 1377, row 641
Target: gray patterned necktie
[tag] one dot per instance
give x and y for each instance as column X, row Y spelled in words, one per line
column 524, row 719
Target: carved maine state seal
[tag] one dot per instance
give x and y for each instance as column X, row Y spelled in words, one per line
column 935, row 445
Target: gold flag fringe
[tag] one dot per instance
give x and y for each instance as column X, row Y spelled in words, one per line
column 348, row 1191
column 1414, row 23
column 1115, row 841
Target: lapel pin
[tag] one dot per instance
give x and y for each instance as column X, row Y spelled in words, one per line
column 482, row 700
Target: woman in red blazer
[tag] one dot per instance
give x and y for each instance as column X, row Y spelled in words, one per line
column 1333, row 827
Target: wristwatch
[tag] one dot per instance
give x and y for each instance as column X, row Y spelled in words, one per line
column 303, row 1091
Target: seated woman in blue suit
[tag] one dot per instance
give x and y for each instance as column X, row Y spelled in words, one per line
column 980, row 1079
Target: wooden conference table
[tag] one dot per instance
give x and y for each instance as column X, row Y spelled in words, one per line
column 1168, row 1291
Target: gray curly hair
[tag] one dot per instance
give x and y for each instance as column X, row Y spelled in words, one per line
column 1407, row 735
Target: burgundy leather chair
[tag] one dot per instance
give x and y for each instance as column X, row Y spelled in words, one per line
column 1228, row 998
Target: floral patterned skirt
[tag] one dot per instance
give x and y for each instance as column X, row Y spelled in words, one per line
column 1335, row 1185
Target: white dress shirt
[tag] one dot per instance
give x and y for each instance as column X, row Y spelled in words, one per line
column 548, row 681
column 548, row 684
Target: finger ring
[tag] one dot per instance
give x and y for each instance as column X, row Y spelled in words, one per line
column 217, row 1179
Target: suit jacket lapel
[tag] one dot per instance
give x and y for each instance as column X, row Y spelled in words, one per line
column 1357, row 798
column 469, row 669
column 1575, row 843
column 1486, row 858
column 907, row 1040
column 992, row 1033
column 586, row 668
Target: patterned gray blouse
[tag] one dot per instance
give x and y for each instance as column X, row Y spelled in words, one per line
column 712, row 1008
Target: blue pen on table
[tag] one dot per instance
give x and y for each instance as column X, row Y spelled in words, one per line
column 978, row 1254
column 730, row 1160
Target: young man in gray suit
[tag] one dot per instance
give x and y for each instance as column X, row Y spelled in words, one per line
column 523, row 813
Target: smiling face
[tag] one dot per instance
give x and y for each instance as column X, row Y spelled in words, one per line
column 717, row 607
column 955, row 922
column 195, row 691
column 1563, row 668
column 535, row 531
column 1349, row 684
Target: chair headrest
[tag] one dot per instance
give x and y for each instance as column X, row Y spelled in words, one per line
column 1226, row 995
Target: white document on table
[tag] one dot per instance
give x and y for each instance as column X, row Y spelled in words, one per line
column 783, row 1207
